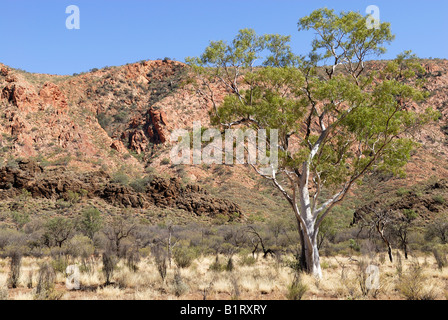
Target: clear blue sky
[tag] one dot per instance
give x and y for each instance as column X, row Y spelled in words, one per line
column 114, row 32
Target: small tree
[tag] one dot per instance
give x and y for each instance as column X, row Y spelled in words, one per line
column 58, row 230
column 438, row 228
column 377, row 221
column 90, row 221
column 119, row 229
column 335, row 123
column 401, row 227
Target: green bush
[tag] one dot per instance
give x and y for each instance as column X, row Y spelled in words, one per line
column 90, row 222
column 104, row 120
column 402, row 192
column 45, row 289
column 296, row 290
column 120, row 177
column 139, row 184
column 412, row 284
column 247, row 260
column 439, row 199
column 217, row 266
column 183, row 257
column 80, row 246
column 60, row 263
column 165, row 161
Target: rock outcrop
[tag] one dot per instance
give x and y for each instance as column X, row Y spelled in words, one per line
column 59, row 184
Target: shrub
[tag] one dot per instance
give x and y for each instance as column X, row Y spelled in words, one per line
column 183, row 257
column 15, row 266
column 58, row 230
column 297, row 289
column 402, row 192
column 439, row 199
column 160, row 258
column 9, row 237
column 411, row 284
column 59, row 263
column 80, row 246
column 121, row 178
column 91, row 221
column 229, row 265
column 247, row 260
column 132, row 259
column 440, row 257
column 179, row 286
column 217, row 266
column 103, row 120
column 45, row 284
column 73, row 197
column 4, row 293
column 121, row 117
column 139, row 185
column 165, row 161
column 20, row 218
column 109, row 264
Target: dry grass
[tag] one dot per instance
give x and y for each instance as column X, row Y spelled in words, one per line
column 342, row 279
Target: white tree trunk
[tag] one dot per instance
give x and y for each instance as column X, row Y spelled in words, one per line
column 312, row 253
column 316, row 269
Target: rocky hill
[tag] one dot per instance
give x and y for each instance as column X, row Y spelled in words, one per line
column 62, row 134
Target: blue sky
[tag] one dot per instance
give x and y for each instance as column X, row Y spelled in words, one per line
column 115, row 32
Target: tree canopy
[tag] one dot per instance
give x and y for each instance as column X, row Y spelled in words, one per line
column 337, row 117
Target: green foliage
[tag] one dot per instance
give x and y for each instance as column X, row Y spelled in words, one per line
column 58, row 230
column 438, row 229
column 183, row 256
column 20, row 218
column 120, row 177
column 140, row 184
column 345, row 35
column 349, row 122
column 104, row 120
column 354, row 245
column 60, row 263
column 439, row 199
column 73, row 197
column 90, row 222
column 45, row 289
column 410, row 214
column 296, row 290
column 402, row 192
column 412, row 284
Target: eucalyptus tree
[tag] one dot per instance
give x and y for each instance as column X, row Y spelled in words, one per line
column 337, row 120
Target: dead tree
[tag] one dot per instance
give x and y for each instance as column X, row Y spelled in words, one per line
column 117, row 230
column 376, row 221
column 259, row 241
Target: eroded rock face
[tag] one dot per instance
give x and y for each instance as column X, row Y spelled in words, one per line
column 24, row 98
column 118, row 146
column 156, row 126
column 424, row 203
column 160, row 192
column 138, row 141
column 51, row 94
